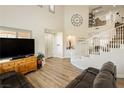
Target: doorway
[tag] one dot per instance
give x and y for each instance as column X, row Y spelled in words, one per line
column 53, row 44
column 49, row 44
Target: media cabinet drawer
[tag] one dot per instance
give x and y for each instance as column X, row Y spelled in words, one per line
column 22, row 68
column 32, row 66
column 7, row 64
column 6, row 67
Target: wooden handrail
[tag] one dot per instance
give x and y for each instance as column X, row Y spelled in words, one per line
column 120, row 25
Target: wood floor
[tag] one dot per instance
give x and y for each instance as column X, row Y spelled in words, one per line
column 120, row 82
column 57, row 73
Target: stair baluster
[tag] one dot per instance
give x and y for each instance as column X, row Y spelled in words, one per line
column 113, row 38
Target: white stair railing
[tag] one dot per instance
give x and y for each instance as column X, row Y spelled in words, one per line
column 105, row 40
column 120, row 35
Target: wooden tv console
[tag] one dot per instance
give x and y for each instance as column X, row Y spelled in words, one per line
column 22, row 65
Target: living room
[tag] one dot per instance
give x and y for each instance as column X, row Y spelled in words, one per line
column 52, row 46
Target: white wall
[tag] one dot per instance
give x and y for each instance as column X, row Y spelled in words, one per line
column 69, row 29
column 33, row 18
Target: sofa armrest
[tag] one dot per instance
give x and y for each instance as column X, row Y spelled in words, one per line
column 23, row 81
column 7, row 75
column 92, row 70
column 85, row 79
column 14, row 79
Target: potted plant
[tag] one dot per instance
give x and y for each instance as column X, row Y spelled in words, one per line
column 40, row 60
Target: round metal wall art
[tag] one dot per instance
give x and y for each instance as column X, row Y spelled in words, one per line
column 77, row 20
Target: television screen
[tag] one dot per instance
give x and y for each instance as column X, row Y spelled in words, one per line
column 13, row 47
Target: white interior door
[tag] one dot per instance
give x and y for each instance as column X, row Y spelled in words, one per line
column 58, row 44
column 49, row 41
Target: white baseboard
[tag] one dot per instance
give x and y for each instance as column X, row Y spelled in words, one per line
column 120, row 76
column 64, row 57
column 60, row 57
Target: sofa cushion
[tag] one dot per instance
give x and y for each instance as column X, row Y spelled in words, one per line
column 104, row 80
column 109, row 66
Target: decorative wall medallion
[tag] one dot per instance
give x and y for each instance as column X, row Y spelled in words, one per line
column 77, row 20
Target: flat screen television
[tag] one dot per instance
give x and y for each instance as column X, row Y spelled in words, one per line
column 13, row 47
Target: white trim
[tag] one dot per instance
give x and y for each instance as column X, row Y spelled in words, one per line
column 120, row 75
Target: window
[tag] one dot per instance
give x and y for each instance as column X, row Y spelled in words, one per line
column 24, row 34
column 8, row 32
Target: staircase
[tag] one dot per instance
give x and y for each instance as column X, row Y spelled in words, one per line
column 118, row 38
column 103, row 47
column 107, row 40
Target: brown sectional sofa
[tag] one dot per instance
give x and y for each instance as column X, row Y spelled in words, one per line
column 14, row 80
column 95, row 78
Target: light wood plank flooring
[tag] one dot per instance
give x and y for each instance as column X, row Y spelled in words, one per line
column 120, row 82
column 56, row 73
